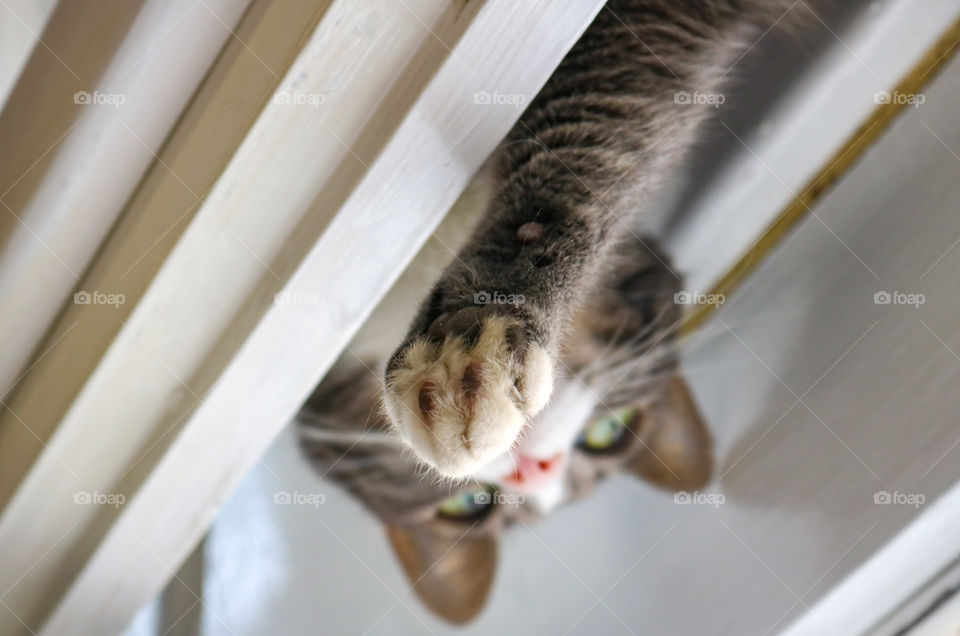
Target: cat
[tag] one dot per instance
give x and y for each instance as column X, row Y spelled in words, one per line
column 543, row 358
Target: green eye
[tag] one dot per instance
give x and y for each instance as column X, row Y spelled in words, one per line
column 467, row 505
column 602, row 433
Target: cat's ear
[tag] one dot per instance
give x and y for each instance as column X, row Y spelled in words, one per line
column 452, row 573
column 677, row 451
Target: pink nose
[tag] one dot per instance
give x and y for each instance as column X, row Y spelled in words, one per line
column 531, row 473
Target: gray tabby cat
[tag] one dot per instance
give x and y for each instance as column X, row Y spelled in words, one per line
column 542, row 359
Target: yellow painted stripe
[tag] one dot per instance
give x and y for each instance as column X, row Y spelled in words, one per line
column 844, row 159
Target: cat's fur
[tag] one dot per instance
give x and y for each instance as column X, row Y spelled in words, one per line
column 477, row 390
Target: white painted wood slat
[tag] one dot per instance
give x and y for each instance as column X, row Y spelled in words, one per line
column 95, row 101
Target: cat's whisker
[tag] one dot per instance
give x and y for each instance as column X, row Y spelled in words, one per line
column 348, row 460
column 313, row 433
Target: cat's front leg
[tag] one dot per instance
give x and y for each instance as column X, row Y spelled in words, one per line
column 608, row 127
column 479, row 360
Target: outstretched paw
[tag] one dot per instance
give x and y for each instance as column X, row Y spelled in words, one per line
column 461, row 393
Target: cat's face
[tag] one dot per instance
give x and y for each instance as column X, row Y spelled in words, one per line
column 617, row 405
column 449, row 550
column 580, row 438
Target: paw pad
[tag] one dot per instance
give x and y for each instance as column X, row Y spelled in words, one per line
column 461, row 394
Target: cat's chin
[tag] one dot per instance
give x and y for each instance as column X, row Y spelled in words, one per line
column 462, row 407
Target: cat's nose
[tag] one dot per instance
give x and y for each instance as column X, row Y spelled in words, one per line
column 532, row 473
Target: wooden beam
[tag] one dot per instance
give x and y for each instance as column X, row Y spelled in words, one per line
column 96, row 99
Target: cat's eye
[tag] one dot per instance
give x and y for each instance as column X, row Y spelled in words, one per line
column 604, row 433
column 468, row 505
